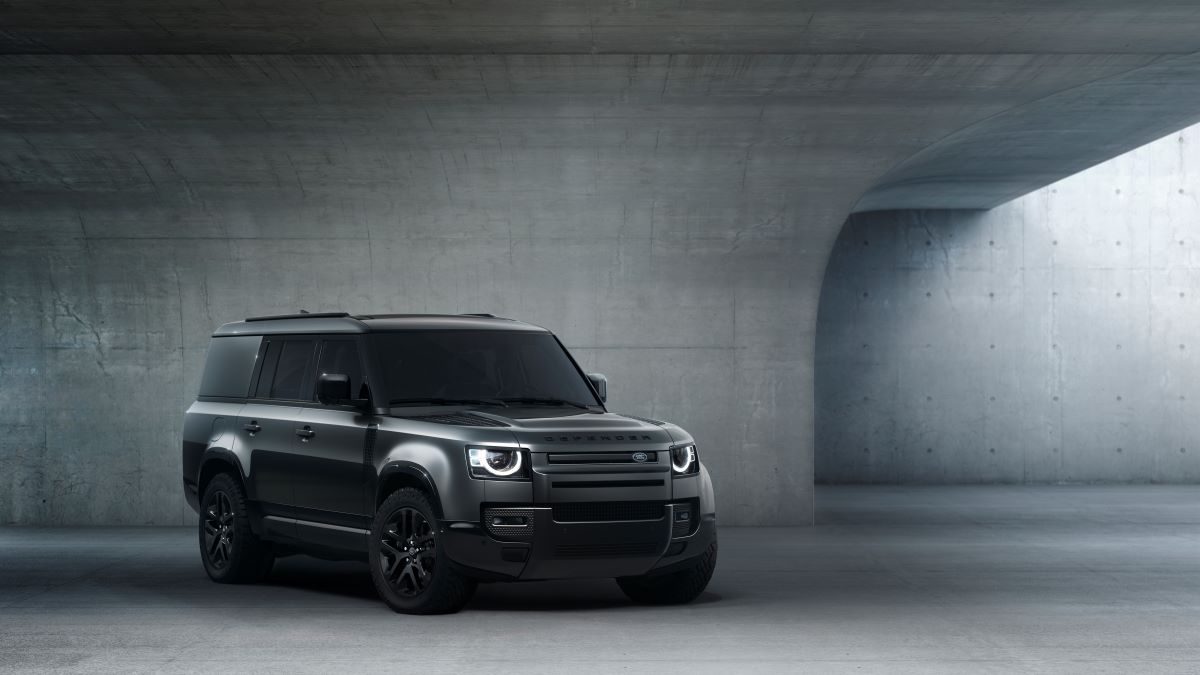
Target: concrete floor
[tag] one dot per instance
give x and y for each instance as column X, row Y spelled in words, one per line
column 921, row 580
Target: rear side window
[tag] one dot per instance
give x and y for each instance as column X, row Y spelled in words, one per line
column 294, row 359
column 229, row 365
column 341, row 357
column 267, row 371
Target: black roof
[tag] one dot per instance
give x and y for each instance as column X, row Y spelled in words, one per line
column 342, row 322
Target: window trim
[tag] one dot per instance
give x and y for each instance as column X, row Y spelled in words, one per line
column 261, row 367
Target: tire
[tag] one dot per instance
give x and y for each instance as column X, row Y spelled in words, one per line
column 672, row 588
column 231, row 552
column 410, row 570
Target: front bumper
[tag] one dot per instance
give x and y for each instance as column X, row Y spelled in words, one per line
column 576, row 550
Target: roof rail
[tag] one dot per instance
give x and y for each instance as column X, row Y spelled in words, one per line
column 404, row 316
column 302, row 315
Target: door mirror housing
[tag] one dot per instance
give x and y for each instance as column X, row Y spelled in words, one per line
column 334, row 389
column 600, row 384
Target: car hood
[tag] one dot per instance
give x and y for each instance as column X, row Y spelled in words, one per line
column 580, row 430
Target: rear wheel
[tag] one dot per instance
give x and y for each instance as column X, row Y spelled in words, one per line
column 674, row 587
column 410, row 572
column 231, row 552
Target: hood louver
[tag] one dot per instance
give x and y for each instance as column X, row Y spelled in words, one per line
column 460, row 420
column 647, row 420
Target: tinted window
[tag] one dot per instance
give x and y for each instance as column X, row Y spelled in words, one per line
column 229, row 365
column 341, row 357
column 267, row 372
column 478, row 365
column 293, row 366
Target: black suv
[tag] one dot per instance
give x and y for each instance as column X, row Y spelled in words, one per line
column 446, row 450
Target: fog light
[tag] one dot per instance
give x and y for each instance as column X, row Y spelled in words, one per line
column 510, row 521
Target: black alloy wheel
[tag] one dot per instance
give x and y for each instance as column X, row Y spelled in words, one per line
column 408, row 552
column 229, row 549
column 409, row 564
column 218, row 531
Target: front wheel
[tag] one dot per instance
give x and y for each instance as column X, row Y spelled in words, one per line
column 410, row 572
column 674, row 587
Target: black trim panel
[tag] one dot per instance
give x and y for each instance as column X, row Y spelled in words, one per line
column 410, row 469
column 558, row 485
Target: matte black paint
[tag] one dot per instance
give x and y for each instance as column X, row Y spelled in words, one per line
column 316, row 473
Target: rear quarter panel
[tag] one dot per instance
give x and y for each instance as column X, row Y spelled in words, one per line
column 209, row 428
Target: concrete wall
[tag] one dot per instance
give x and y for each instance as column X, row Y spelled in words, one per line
column 1051, row 339
column 670, row 215
column 154, row 203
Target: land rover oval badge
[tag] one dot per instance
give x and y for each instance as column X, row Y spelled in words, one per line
column 640, row 456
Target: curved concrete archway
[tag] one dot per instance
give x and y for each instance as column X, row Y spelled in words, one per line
column 1019, row 150
column 669, row 214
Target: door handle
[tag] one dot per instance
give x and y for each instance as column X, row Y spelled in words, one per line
column 252, row 427
column 305, row 432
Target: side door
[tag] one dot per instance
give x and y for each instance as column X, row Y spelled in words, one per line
column 267, row 425
column 330, row 454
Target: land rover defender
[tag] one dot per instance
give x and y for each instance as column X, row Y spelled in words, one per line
column 444, row 450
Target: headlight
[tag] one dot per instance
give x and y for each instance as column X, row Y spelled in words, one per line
column 683, row 460
column 496, row 463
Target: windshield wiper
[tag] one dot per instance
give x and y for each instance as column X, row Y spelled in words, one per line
column 448, row 401
column 545, row 401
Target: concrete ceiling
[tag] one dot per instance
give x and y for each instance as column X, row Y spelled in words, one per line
column 1026, row 147
column 599, row 27
column 1004, row 149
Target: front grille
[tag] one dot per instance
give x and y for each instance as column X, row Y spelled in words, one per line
column 599, row 512
column 623, row 550
column 602, row 457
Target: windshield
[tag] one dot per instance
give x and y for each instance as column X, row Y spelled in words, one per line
column 479, row 367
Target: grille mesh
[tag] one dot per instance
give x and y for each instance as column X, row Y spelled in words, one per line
column 509, row 532
column 584, row 512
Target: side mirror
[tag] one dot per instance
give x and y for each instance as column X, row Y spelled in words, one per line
column 600, row 384
column 334, row 389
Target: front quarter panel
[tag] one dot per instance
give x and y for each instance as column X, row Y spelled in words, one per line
column 439, row 450
column 708, row 500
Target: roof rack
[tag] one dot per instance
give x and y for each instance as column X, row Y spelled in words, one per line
column 363, row 317
column 302, row 315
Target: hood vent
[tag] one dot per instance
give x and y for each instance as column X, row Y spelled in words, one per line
column 647, row 420
column 464, row 419
column 594, row 437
